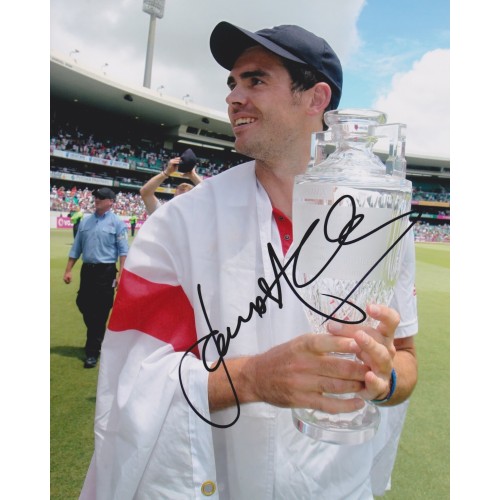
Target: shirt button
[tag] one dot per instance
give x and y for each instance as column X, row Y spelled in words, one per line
column 287, row 237
column 208, row 488
column 280, row 217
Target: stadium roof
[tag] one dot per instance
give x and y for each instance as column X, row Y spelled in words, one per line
column 71, row 82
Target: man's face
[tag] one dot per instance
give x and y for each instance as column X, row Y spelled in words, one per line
column 102, row 206
column 266, row 116
column 182, row 188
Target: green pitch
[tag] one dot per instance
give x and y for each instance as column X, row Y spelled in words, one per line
column 422, row 465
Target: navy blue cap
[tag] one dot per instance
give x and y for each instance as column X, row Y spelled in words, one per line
column 291, row 42
column 104, row 194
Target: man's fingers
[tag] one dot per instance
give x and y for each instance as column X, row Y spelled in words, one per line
column 324, row 355
column 388, row 318
column 320, row 343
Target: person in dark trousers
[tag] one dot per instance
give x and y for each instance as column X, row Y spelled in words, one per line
column 102, row 239
column 76, row 215
column 133, row 222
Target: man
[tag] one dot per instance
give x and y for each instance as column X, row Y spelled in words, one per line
column 76, row 216
column 221, row 338
column 101, row 240
column 148, row 190
column 133, row 222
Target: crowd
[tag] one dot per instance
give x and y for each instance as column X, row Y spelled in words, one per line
column 433, row 233
column 421, row 195
column 128, row 204
column 65, row 200
column 155, row 156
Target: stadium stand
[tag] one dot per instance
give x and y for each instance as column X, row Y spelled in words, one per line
column 98, row 140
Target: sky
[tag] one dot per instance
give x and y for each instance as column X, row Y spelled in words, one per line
column 395, row 54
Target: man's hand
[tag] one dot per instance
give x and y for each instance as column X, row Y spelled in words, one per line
column 193, row 176
column 373, row 346
column 302, row 372
column 296, row 374
column 173, row 165
column 67, row 277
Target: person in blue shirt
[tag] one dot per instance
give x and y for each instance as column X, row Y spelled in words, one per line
column 101, row 241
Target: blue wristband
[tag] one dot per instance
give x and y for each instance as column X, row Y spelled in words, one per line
column 391, row 390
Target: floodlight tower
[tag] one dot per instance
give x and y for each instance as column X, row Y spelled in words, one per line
column 155, row 10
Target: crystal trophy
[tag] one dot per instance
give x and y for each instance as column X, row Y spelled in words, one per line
column 350, row 215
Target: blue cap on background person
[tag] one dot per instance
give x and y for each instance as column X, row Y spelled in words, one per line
column 291, row 42
column 104, row 194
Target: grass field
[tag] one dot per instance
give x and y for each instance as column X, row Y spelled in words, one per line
column 422, row 466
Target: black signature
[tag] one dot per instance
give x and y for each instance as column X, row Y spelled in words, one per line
column 273, row 291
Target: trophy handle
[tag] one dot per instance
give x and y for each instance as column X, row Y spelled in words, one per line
column 395, row 134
